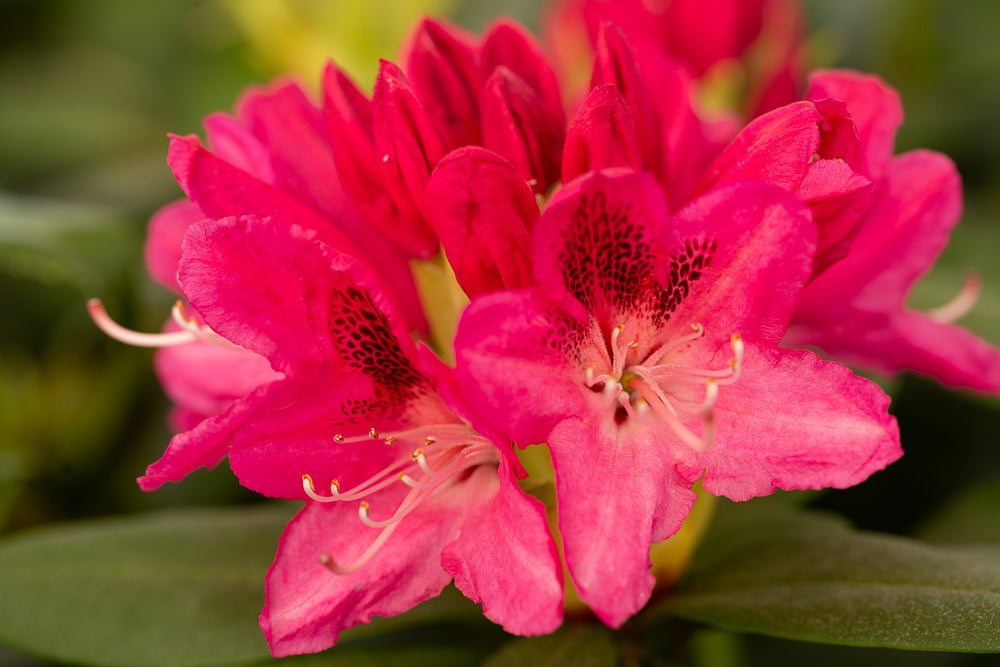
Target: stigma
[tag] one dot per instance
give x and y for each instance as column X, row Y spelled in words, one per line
column 430, row 459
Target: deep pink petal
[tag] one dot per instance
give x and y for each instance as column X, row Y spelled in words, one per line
column 220, row 190
column 517, row 126
column 207, row 443
column 596, row 246
column 775, row 148
column 505, row 557
column 295, row 436
column 441, row 66
column 307, row 606
column 350, row 116
column 756, row 244
column 616, row 64
column 513, row 362
column 617, row 494
column 919, row 202
column 507, row 44
column 841, row 201
column 483, row 212
column 235, row 143
column 407, row 142
column 793, row 421
column 602, row 135
column 874, row 106
column 904, row 340
column 206, row 378
column 708, row 31
column 163, row 240
column 244, row 275
column 839, row 135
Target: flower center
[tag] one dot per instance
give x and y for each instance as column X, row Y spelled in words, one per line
column 442, row 456
column 656, row 383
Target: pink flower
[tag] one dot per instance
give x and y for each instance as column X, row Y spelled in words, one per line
column 403, row 495
column 856, row 310
column 646, row 358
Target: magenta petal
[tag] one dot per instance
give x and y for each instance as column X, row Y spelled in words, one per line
column 874, row 106
column 596, row 247
column 163, row 240
column 483, row 212
column 441, row 66
column 350, row 116
column 244, row 275
column 307, row 606
column 206, row 378
column 235, row 143
column 793, row 421
column 516, row 125
column 841, row 202
column 617, row 494
column 757, row 243
column 601, row 135
column 511, row 348
column 507, row 44
column 920, row 201
column 406, row 142
column 775, row 148
column 505, row 557
column 616, row 64
column 206, row 444
column 221, row 190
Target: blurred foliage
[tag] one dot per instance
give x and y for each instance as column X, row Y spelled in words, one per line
column 88, row 89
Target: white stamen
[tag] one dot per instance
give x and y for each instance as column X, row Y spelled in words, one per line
column 963, row 302
column 104, row 322
column 421, row 460
column 332, row 565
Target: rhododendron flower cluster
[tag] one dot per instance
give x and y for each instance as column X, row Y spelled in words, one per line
column 389, row 303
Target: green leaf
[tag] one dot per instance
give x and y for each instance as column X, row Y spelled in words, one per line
column 808, row 577
column 571, row 646
column 182, row 587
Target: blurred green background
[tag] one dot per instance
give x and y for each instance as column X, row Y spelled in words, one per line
column 89, row 88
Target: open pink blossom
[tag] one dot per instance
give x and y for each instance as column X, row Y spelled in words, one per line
column 646, row 359
column 402, row 494
column 856, row 310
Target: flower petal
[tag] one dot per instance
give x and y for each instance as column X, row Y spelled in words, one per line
column 244, row 275
column 406, row 140
column 163, row 240
column 207, row 443
column 441, row 66
column 920, row 201
column 793, row 421
column 505, row 557
column 483, row 212
column 756, row 244
column 601, row 135
column 874, row 106
column 307, row 606
column 617, row 494
column 595, row 246
column 841, row 201
column 517, row 126
column 514, row 361
column 775, row 148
